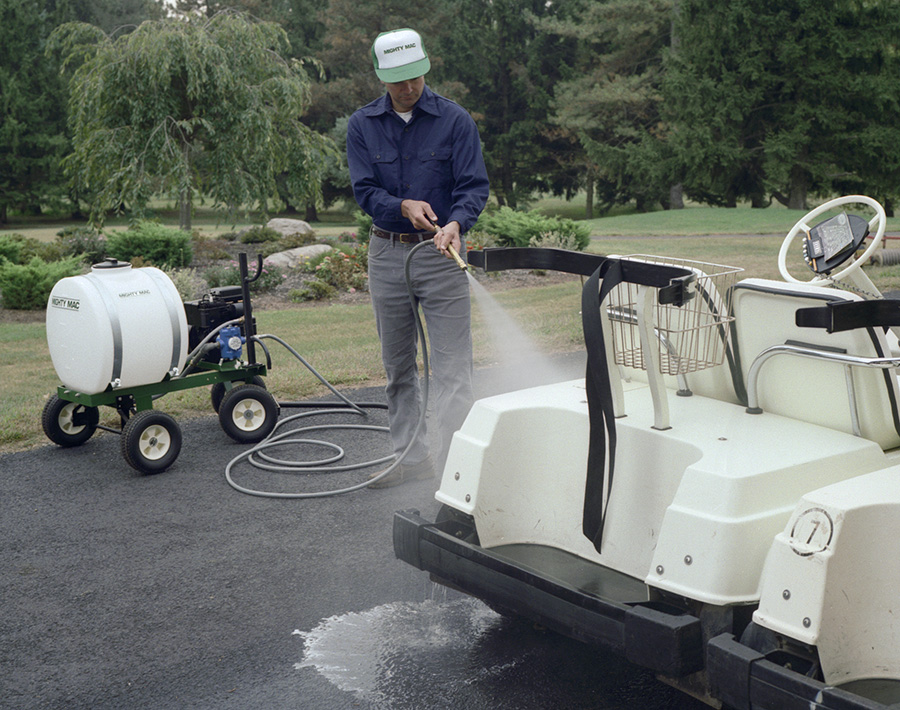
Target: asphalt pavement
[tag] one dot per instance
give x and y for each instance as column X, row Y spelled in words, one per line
column 121, row 590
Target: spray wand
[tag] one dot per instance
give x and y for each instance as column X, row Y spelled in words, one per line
column 453, row 252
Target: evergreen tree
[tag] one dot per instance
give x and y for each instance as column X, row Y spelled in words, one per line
column 784, row 99
column 610, row 99
column 508, row 68
column 32, row 112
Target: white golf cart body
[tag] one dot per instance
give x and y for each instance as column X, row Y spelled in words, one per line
column 746, row 550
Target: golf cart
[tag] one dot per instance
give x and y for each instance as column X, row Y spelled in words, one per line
column 717, row 499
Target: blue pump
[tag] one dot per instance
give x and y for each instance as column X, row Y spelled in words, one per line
column 230, row 342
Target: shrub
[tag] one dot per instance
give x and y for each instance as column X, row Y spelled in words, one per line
column 11, row 248
column 313, row 291
column 20, row 249
column 476, row 239
column 85, row 242
column 154, row 243
column 297, row 239
column 550, row 240
column 344, row 270
column 188, row 282
column 28, row 286
column 230, row 275
column 258, row 233
column 512, row 228
column 363, row 225
column 209, row 248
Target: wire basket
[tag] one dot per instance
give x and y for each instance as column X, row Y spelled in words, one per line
column 689, row 338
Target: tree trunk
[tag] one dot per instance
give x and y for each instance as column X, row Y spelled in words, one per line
column 676, row 197
column 758, row 200
column 312, row 214
column 184, row 210
column 589, row 198
column 799, row 187
column 184, row 199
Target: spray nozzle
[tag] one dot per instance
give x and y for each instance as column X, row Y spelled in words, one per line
column 462, row 265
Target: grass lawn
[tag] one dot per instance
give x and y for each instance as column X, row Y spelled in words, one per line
column 340, row 339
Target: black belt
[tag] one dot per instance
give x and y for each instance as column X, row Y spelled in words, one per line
column 413, row 238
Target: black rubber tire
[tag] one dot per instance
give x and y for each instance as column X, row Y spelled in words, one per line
column 217, row 391
column 248, row 413
column 151, row 441
column 68, row 423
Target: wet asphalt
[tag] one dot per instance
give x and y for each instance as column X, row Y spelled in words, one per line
column 121, row 590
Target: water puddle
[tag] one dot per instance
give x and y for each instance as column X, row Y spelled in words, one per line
column 458, row 653
column 403, row 654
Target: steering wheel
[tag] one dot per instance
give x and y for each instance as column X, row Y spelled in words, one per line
column 855, row 262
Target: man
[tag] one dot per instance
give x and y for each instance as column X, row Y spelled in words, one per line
column 416, row 167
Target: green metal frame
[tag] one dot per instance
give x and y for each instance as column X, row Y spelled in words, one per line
column 142, row 396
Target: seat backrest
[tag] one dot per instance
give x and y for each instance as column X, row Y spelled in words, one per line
column 813, row 391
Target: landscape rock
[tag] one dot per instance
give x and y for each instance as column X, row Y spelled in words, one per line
column 289, row 227
column 292, row 258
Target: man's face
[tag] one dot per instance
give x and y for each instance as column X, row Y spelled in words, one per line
column 404, row 94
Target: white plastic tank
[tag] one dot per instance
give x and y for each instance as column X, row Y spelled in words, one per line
column 116, row 326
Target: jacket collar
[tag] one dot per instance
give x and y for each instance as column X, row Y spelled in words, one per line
column 427, row 102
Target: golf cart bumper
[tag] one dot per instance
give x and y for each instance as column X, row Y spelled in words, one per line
column 744, row 679
column 664, row 640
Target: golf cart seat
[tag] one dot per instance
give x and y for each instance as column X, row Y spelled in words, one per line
column 856, row 400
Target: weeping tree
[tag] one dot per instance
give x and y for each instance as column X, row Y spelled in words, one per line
column 188, row 108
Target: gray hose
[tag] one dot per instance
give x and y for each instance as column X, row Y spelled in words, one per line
column 255, row 454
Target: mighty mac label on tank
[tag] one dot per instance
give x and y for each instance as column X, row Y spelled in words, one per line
column 67, row 304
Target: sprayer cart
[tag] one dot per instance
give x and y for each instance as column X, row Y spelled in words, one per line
column 121, row 338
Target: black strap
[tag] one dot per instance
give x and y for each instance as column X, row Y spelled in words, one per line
column 673, row 287
column 601, row 414
column 672, row 281
column 838, row 316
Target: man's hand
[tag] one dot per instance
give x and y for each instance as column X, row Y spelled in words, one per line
column 419, row 213
column 448, row 234
column 424, row 219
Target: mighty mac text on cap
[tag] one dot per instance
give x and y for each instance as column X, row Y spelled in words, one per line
column 399, row 55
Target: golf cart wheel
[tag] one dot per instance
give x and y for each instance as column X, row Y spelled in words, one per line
column 248, row 413
column 217, row 391
column 68, row 423
column 151, row 441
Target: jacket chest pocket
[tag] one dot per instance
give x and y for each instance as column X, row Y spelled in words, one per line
column 437, row 165
column 386, row 165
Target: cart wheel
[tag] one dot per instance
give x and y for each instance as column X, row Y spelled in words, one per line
column 68, row 423
column 217, row 391
column 151, row 441
column 248, row 413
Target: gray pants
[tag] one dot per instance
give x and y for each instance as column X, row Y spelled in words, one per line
column 441, row 289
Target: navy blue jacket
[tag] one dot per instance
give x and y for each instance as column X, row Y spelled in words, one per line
column 436, row 157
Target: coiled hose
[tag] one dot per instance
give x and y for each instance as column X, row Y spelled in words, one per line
column 259, row 457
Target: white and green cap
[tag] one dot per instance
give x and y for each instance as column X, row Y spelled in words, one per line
column 399, row 55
